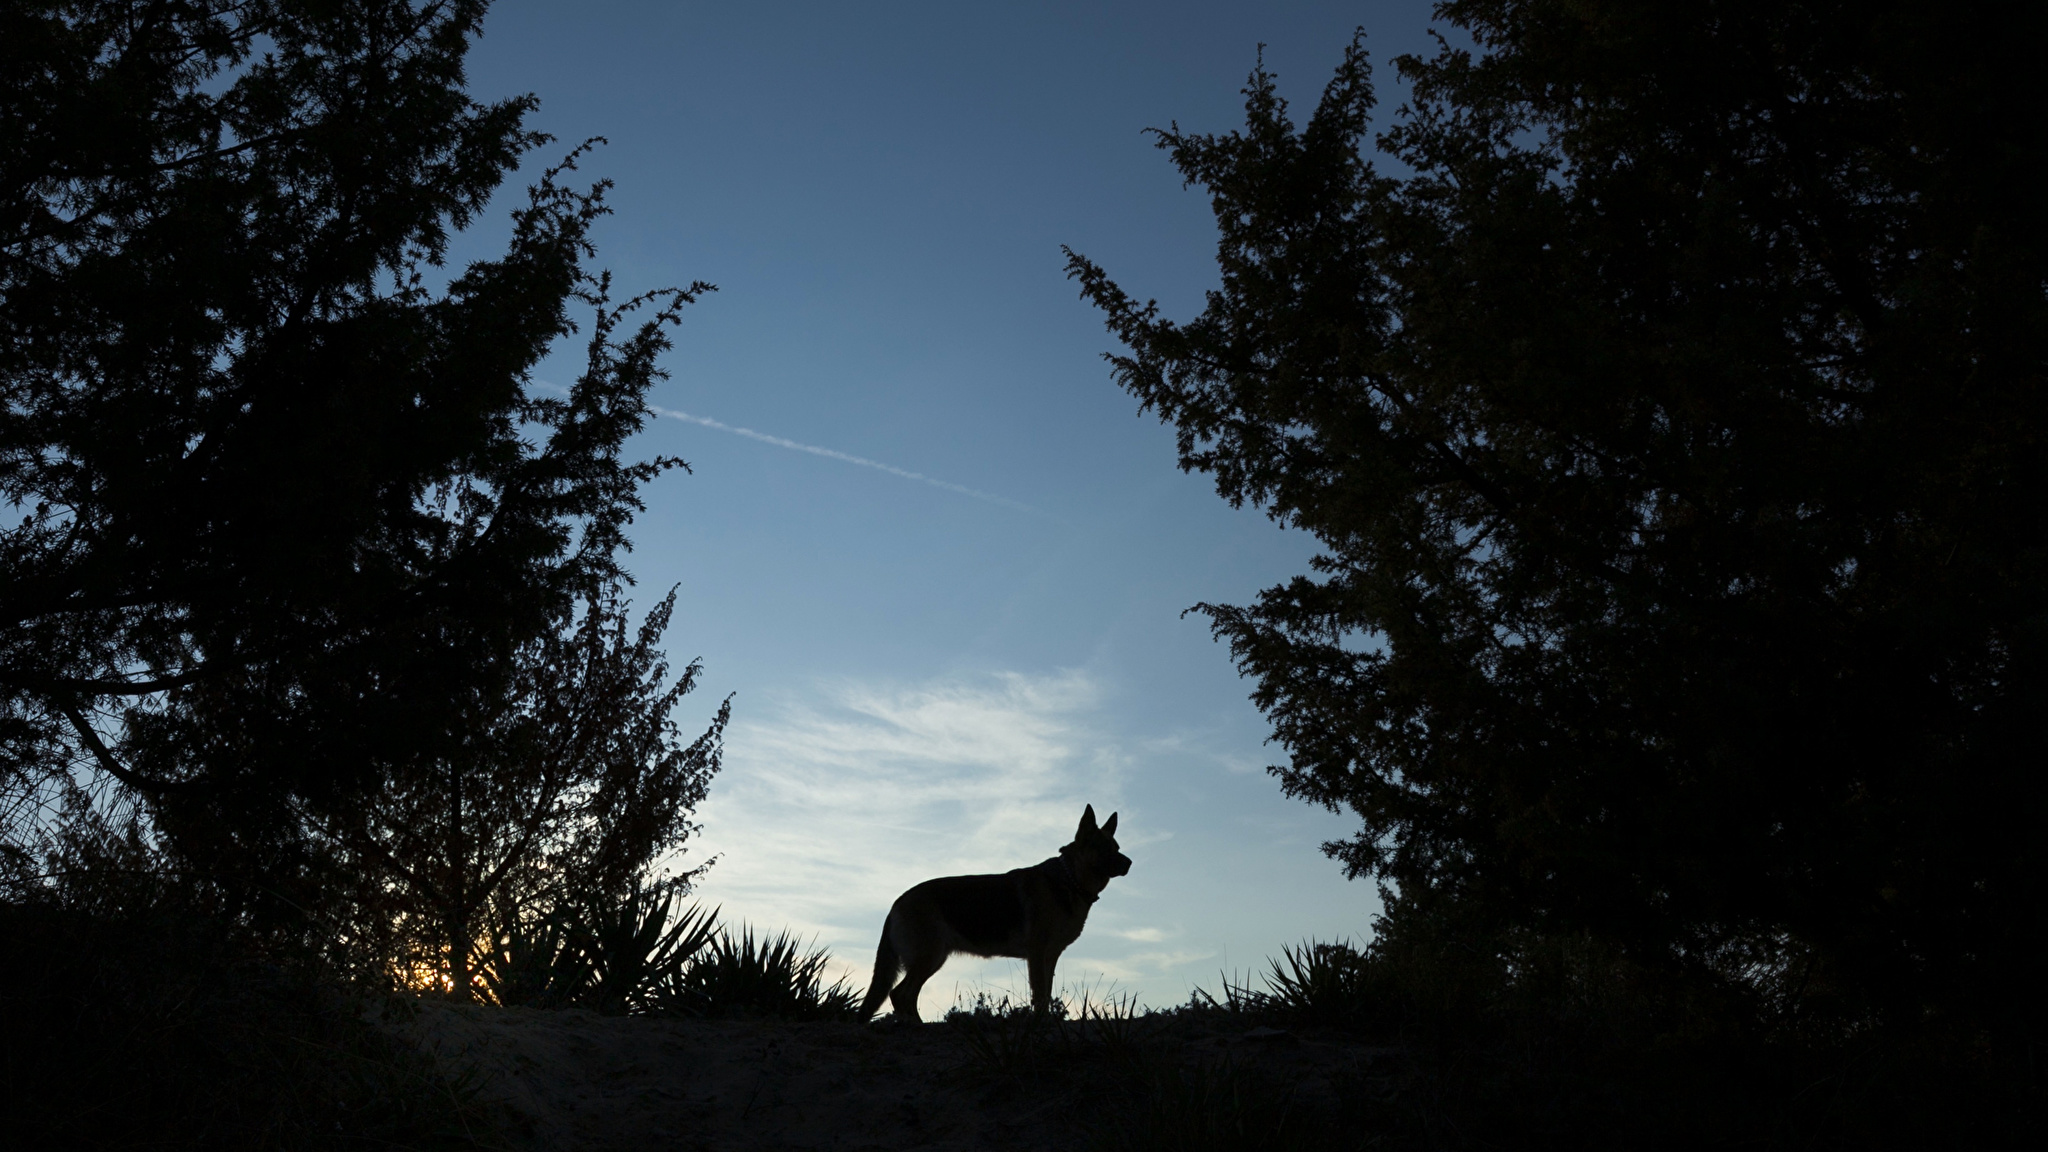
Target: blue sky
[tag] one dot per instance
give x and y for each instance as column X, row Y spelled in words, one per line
column 938, row 660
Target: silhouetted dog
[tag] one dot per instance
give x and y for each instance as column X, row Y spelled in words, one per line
column 1029, row 913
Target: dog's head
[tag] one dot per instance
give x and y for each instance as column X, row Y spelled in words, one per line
column 1093, row 854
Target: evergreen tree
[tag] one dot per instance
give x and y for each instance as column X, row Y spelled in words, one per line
column 282, row 503
column 1672, row 425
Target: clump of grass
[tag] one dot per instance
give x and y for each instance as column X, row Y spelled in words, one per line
column 1006, row 1039
column 1117, row 1025
column 1010, row 1040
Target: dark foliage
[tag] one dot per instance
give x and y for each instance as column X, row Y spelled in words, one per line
column 1426, row 1040
column 282, row 509
column 564, row 796
column 1673, row 431
column 1564, row 1042
column 1571, row 1045
column 150, row 1029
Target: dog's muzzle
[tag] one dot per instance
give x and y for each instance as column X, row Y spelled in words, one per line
column 1123, row 865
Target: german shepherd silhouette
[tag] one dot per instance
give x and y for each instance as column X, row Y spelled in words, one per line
column 1031, row 914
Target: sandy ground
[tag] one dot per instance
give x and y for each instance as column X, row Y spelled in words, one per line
column 577, row 1082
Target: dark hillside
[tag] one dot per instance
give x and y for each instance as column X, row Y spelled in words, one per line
column 157, row 1032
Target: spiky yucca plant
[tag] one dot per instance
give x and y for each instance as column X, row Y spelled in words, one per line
column 535, row 963
column 633, row 950
column 1323, row 983
column 607, row 957
column 739, row 976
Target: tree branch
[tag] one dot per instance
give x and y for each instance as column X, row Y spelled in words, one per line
column 113, row 767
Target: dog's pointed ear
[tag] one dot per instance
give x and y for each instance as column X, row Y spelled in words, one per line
column 1087, row 820
column 1109, row 826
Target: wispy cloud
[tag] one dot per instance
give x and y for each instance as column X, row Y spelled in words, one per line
column 849, row 458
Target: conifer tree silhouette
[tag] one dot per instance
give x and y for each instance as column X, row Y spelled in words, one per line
column 1672, row 430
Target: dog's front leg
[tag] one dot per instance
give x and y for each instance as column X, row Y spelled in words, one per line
column 1040, row 963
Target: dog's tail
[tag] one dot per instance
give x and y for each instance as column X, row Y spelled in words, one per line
column 887, row 965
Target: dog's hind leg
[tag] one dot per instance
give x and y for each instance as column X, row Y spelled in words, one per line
column 917, row 970
column 887, row 965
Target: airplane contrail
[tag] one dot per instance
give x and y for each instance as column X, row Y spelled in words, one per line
column 848, row 457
